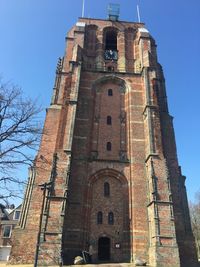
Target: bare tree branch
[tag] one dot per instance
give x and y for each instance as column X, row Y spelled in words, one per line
column 20, row 132
column 195, row 220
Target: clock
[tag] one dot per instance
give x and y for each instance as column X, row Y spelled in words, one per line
column 110, row 54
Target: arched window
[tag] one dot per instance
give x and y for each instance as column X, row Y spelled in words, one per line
column 111, row 40
column 110, row 92
column 111, row 53
column 99, row 217
column 110, row 218
column 109, row 120
column 109, row 146
column 106, row 189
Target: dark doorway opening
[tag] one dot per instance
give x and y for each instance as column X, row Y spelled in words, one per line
column 111, row 40
column 104, row 249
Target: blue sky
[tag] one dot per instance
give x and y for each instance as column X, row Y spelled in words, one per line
column 32, row 34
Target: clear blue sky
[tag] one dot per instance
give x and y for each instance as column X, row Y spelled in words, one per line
column 32, row 34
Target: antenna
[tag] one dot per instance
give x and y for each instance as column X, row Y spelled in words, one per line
column 138, row 13
column 83, row 8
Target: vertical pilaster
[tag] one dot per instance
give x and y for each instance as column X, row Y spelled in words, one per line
column 129, row 49
column 27, row 197
column 144, row 47
column 150, row 149
column 69, row 129
column 122, row 118
column 99, row 51
column 95, row 134
column 56, row 198
column 54, row 98
column 121, row 51
column 162, row 229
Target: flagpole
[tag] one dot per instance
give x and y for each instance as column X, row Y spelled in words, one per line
column 83, row 8
column 138, row 13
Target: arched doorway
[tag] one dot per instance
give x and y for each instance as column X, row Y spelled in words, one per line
column 104, row 249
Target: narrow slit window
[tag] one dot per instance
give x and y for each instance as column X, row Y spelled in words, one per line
column 109, row 120
column 110, row 92
column 106, row 189
column 110, row 218
column 99, row 217
column 109, row 146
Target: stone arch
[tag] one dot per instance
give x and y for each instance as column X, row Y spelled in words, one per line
column 114, row 79
column 109, row 30
column 99, row 90
column 104, row 246
column 130, row 30
column 111, row 172
column 117, row 203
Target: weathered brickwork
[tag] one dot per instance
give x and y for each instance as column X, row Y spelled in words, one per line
column 108, row 151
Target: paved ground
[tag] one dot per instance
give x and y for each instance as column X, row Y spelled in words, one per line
column 4, row 264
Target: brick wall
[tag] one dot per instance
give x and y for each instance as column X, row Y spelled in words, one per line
column 141, row 167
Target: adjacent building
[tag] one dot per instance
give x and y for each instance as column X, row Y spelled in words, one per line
column 9, row 217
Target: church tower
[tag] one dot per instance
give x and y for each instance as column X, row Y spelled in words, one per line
column 107, row 164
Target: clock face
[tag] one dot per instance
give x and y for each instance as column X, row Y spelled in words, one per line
column 110, row 55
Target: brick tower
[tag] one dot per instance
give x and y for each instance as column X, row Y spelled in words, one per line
column 107, row 159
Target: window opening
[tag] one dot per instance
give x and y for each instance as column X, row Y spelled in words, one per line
column 109, row 146
column 99, row 217
column 106, row 189
column 110, row 218
column 17, row 214
column 110, row 92
column 109, row 120
column 111, row 40
column 111, row 45
column 7, row 231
